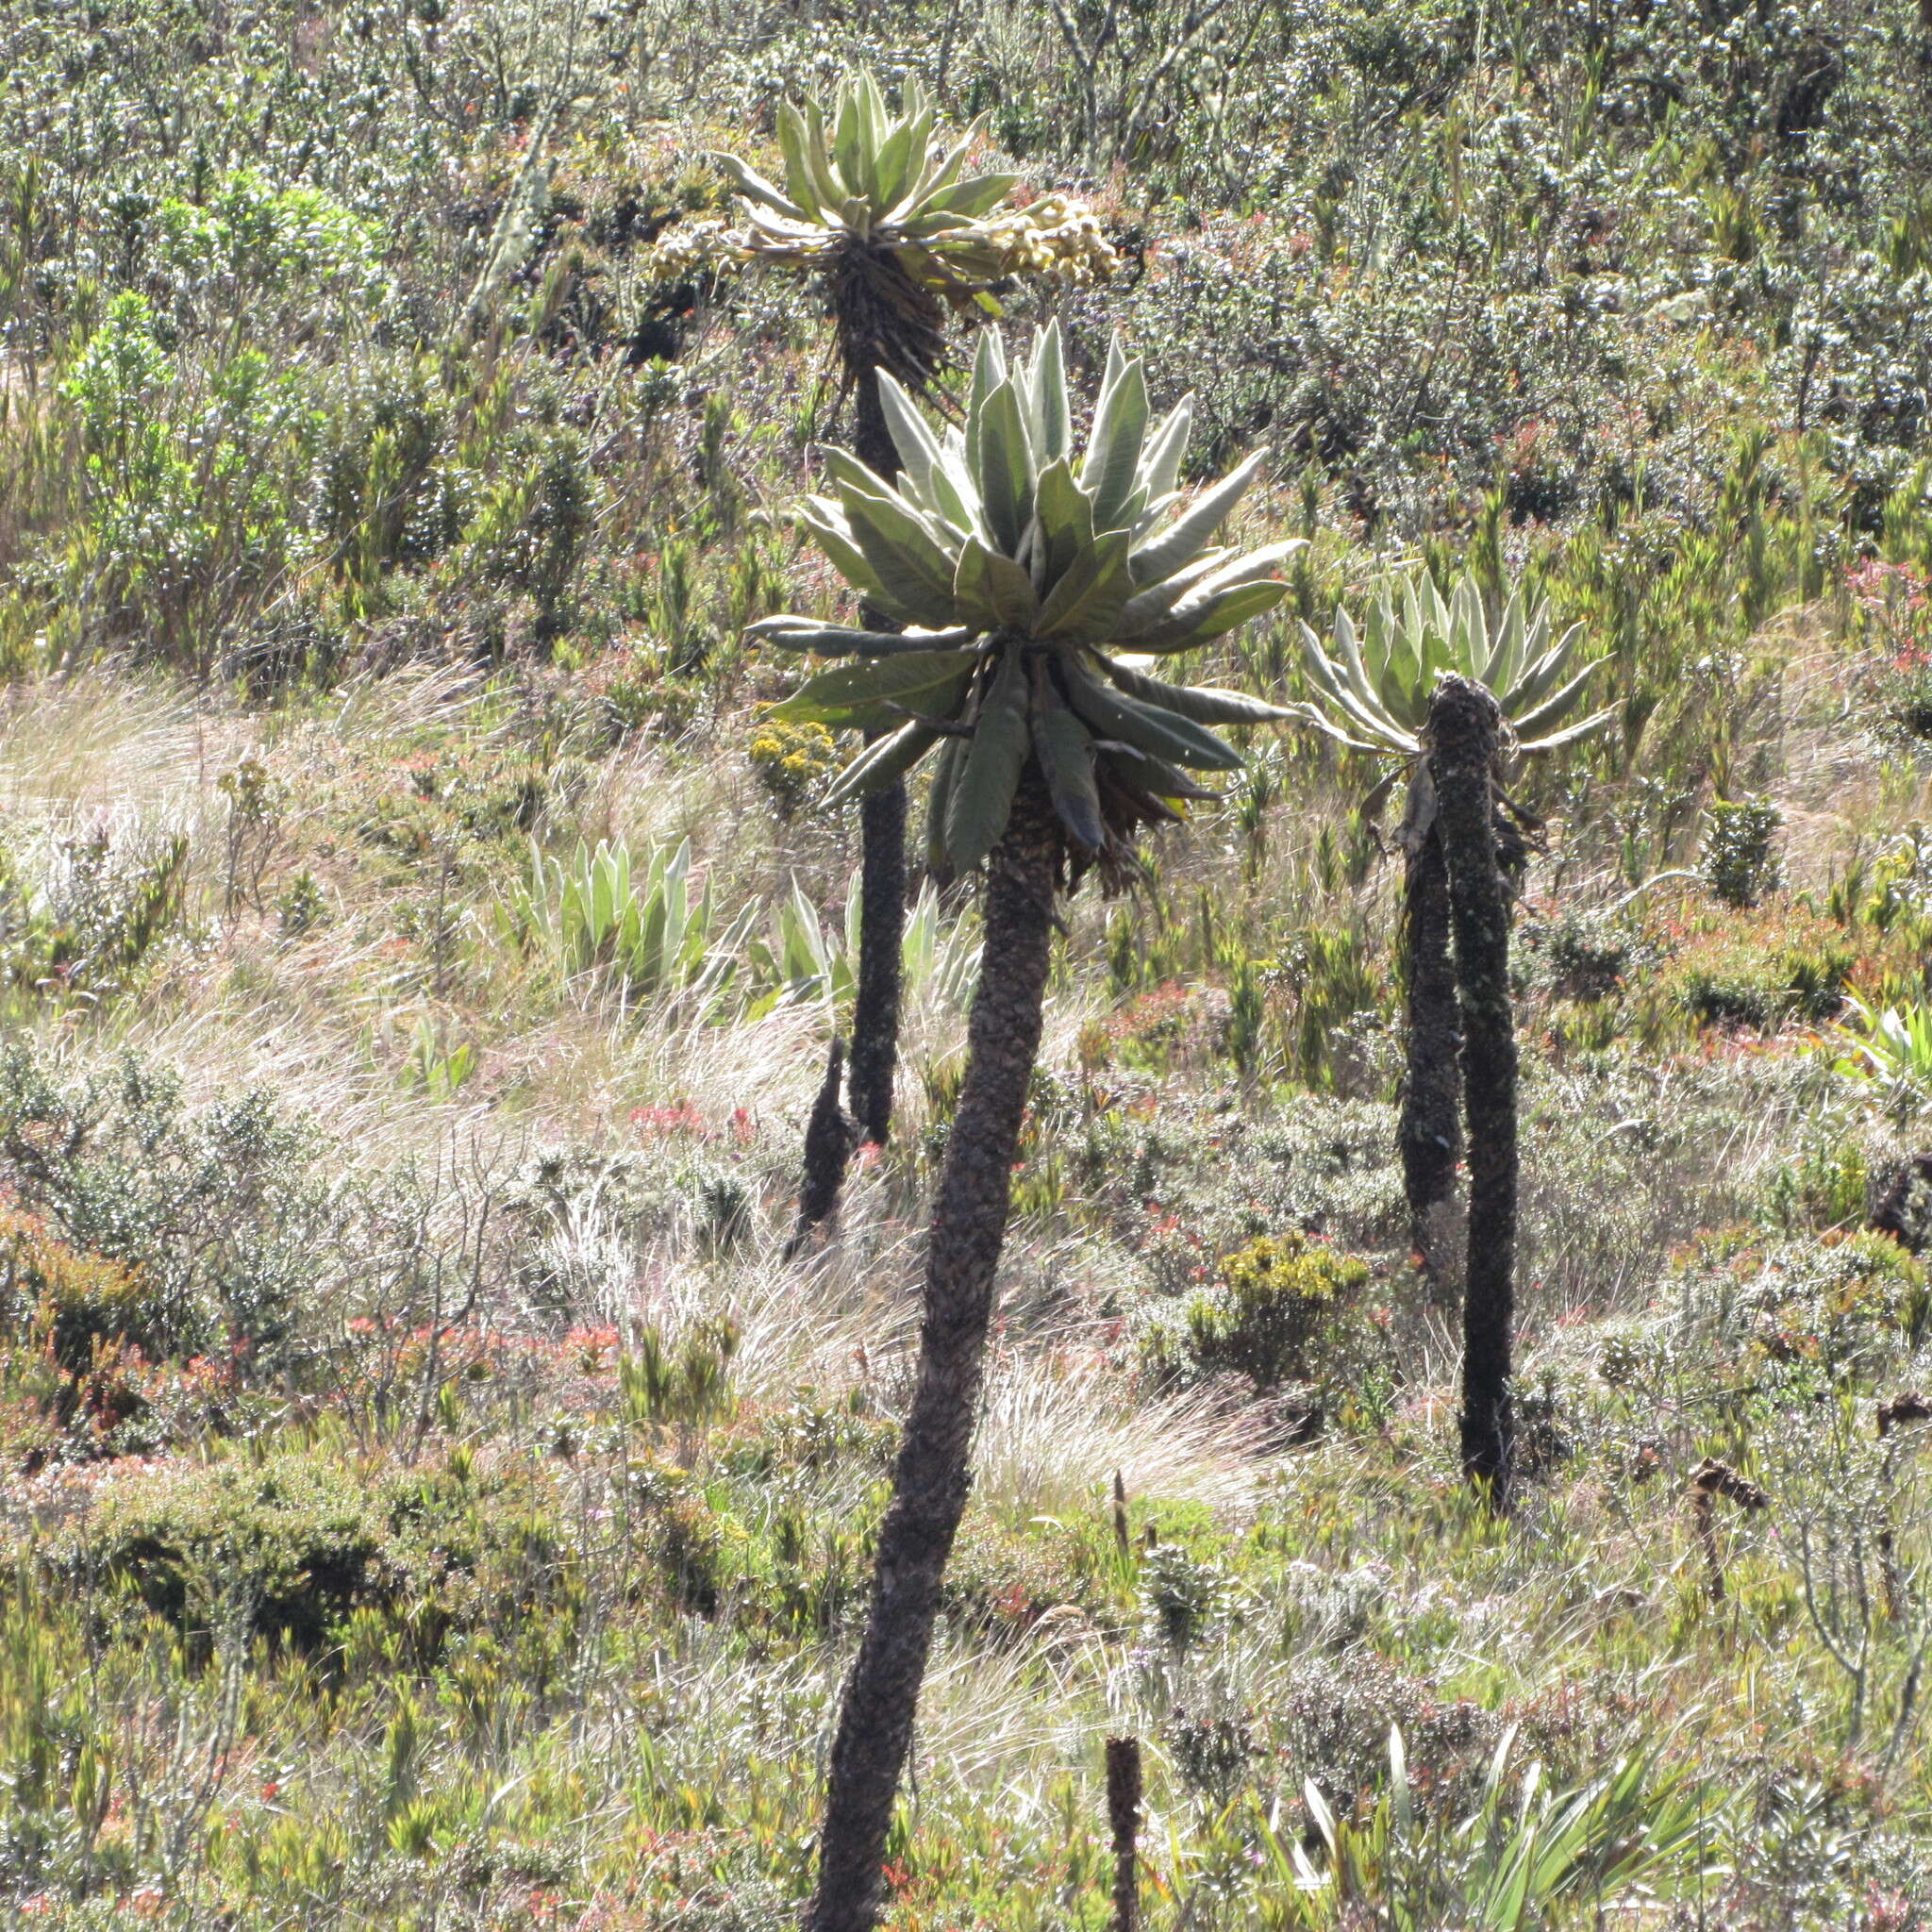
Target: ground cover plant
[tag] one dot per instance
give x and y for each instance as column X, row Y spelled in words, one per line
column 454, row 598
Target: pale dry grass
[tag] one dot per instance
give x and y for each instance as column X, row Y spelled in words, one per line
column 131, row 762
column 101, row 743
column 414, row 697
column 1057, row 1425
column 1006, row 1720
column 325, row 1020
column 1834, row 779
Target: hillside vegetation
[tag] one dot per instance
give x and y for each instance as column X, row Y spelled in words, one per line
column 440, row 1471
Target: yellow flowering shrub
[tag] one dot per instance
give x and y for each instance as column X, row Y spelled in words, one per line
column 791, row 761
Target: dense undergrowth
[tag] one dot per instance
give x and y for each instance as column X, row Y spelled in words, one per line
column 427, row 1496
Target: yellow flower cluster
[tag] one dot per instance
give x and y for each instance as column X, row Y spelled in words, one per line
column 792, row 760
column 1053, row 235
column 691, row 246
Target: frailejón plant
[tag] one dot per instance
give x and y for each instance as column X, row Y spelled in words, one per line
column 1515, row 688
column 1025, row 568
column 1373, row 686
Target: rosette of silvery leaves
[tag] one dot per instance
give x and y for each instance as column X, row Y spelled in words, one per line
column 1037, row 583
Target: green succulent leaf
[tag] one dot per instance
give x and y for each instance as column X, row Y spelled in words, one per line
column 883, row 762
column 982, row 794
column 851, row 132
column 1065, row 749
column 893, row 164
column 1065, row 523
column 966, row 201
column 1152, row 776
column 1085, row 606
column 914, row 572
column 1199, row 620
column 1001, row 460
column 1191, row 531
column 930, row 682
column 994, row 590
column 1555, row 740
column 1165, row 447
column 945, row 776
column 1155, row 604
column 989, row 372
column 1204, row 704
column 800, row 183
column 826, row 189
column 753, row 185
column 1319, row 720
column 1547, row 670
column 833, row 534
column 1528, row 723
column 1113, row 450
column 1049, row 413
column 1146, row 728
column 840, row 641
column 1505, row 658
column 920, row 450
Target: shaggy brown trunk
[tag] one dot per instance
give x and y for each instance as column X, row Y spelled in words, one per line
column 829, row 1141
column 882, row 864
column 933, row 1472
column 1464, row 724
column 884, row 321
column 1124, row 1820
column 1430, row 1128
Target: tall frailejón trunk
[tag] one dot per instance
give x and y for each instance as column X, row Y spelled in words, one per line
column 882, row 866
column 1463, row 730
column 874, row 1049
column 883, row 321
column 933, row 1472
column 1429, row 1129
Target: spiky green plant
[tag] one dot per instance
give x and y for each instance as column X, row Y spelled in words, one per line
column 1376, row 686
column 1888, row 1053
column 888, row 218
column 1035, row 582
column 893, row 218
column 632, row 917
column 1024, row 567
column 1525, row 1850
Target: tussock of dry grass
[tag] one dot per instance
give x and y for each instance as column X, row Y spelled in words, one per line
column 1059, row 1423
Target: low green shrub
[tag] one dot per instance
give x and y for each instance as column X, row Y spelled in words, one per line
column 1580, row 954
column 1336, row 1716
column 1283, row 1311
column 1761, row 972
column 300, row 1541
column 1003, row 1580
column 1740, row 861
column 93, row 914
column 221, row 1211
column 1840, row 1305
column 70, row 1302
column 1181, row 1594
column 72, row 1327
